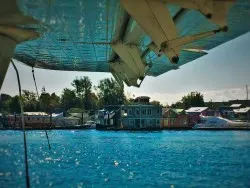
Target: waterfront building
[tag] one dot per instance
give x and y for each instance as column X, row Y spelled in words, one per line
column 175, row 118
column 243, row 113
column 139, row 115
column 195, row 112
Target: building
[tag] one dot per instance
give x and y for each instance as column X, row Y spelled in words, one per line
column 175, row 118
column 109, row 117
column 142, row 100
column 140, row 115
column 246, row 103
column 194, row 114
column 242, row 113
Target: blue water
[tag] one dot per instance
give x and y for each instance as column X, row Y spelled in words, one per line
column 127, row 159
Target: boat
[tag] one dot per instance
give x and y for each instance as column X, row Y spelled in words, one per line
column 220, row 123
column 90, row 125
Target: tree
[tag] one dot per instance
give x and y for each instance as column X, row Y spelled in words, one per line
column 194, row 99
column 83, row 88
column 69, row 99
column 54, row 101
column 110, row 93
column 4, row 103
column 178, row 104
column 155, row 103
column 30, row 101
column 14, row 105
column 45, row 102
column 49, row 102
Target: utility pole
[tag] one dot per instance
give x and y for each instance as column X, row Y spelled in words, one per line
column 247, row 93
column 247, row 104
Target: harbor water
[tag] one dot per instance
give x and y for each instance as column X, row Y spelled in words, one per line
column 90, row 158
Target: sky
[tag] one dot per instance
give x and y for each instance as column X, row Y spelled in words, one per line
column 221, row 75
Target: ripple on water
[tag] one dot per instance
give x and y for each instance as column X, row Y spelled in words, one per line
column 153, row 159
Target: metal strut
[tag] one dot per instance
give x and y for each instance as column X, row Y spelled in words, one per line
column 23, row 126
column 47, row 136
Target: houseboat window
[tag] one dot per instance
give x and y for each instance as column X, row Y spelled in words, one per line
column 158, row 110
column 184, row 122
column 131, row 122
column 149, row 111
column 157, row 122
column 144, row 111
column 137, row 112
column 172, row 121
column 149, row 122
column 130, row 112
column 28, row 118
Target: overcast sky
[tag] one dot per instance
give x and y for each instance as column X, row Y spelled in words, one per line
column 220, row 75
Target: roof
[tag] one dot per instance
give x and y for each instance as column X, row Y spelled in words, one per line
column 242, row 110
column 35, row 114
column 236, row 105
column 142, row 97
column 196, row 109
column 176, row 110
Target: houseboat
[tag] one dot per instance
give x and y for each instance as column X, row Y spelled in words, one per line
column 141, row 115
column 175, row 119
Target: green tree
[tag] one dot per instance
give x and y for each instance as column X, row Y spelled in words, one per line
column 83, row 89
column 110, row 93
column 178, row 104
column 14, row 105
column 45, row 102
column 4, row 103
column 30, row 101
column 54, row 101
column 156, row 103
column 69, row 99
column 49, row 102
column 194, row 99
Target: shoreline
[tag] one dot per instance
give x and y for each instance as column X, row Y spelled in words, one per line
column 145, row 129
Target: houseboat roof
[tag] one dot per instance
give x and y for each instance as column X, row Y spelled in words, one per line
column 196, row 109
column 35, row 114
column 236, row 105
column 142, row 97
column 242, row 110
column 138, row 105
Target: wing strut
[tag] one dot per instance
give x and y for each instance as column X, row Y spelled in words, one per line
column 155, row 19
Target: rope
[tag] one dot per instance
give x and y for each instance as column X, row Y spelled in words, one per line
column 24, row 132
column 47, row 137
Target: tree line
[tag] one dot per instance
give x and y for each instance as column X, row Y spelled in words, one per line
column 83, row 97
column 86, row 97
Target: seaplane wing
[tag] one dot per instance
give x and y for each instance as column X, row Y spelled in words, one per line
column 129, row 38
